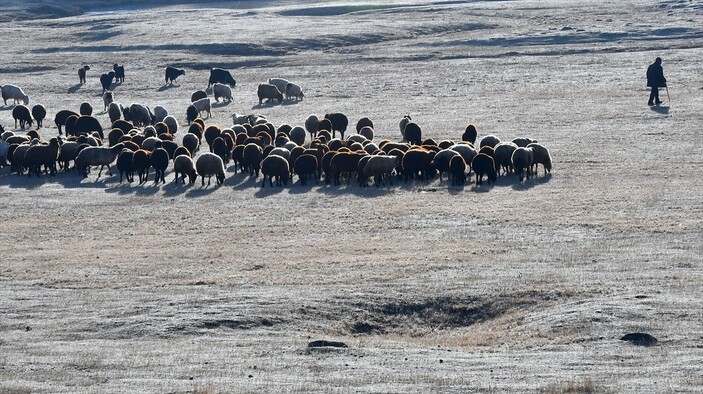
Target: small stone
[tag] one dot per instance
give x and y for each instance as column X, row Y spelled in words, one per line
column 324, row 343
column 640, row 339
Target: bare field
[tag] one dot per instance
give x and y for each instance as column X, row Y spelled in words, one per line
column 109, row 287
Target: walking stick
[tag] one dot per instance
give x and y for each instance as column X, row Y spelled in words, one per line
column 667, row 94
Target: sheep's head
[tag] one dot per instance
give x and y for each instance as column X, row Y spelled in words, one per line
column 25, row 99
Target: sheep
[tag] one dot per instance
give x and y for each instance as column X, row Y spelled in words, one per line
column 42, row 155
column 482, row 165
column 293, row 90
column 345, row 163
column 138, row 114
column 441, row 160
column 238, row 119
column 252, row 158
column 21, row 113
column 305, row 166
column 540, row 155
column 191, row 114
column 108, row 98
column 172, row 73
column 380, row 167
column 466, row 151
column 141, row 162
column 339, row 123
column 418, row 161
column 87, row 124
column 219, row 147
column 224, row 91
column 106, row 80
column 97, row 156
column 363, row 122
column 457, row 170
column 114, row 136
column 311, row 125
column 39, row 113
column 119, row 72
column 522, row 162
column 172, row 124
column 68, row 152
column 4, row 151
column 114, row 111
column 366, row 132
column 85, row 109
column 124, row 125
column 159, row 160
column 197, row 95
column 210, row 134
column 170, row 147
column 160, row 113
column 150, row 143
column 297, row 135
column 268, row 92
column 203, row 104
column 412, row 133
column 470, row 134
column 191, row 142
column 183, row 165
column 18, row 156
column 209, row 164
column 15, row 93
column 124, row 165
column 404, row 122
column 279, row 83
column 81, row 74
column 523, row 142
column 221, row 76
column 275, row 166
column 489, row 140
column 502, row 155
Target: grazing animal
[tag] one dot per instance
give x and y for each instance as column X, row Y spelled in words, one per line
column 14, row 93
column 311, row 125
column 523, row 142
column 221, row 76
column 138, row 114
column 380, row 168
column 404, row 122
column 482, row 165
column 141, row 163
column 274, row 166
column 339, row 123
column 159, row 159
column 61, row 117
column 522, row 162
column 197, row 95
column 124, row 165
column 42, row 155
column 184, row 166
column 209, row 164
column 108, row 98
column 172, row 124
column 441, row 160
column 364, row 122
column 306, row 165
column 172, row 73
column 540, row 155
column 221, row 90
column 413, row 133
column 114, row 111
column 489, row 140
column 470, row 134
column 81, row 74
column 160, row 113
column 86, row 124
column 106, row 80
column 293, row 90
column 457, row 170
column 279, row 83
column 85, row 109
column 203, row 104
column 252, row 158
column 21, row 113
column 39, row 113
column 503, row 154
column 119, row 72
column 297, row 135
column 268, row 92
column 97, row 156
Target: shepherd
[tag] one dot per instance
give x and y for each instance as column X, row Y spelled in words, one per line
column 655, row 80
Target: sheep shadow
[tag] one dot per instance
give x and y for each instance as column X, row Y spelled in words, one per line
column 245, row 181
column 297, row 188
column 75, row 88
column 267, row 104
column 199, row 190
column 286, row 103
column 660, row 109
column 7, row 107
column 220, row 104
column 359, row 191
column 166, row 87
column 532, row 182
column 172, row 188
column 268, row 191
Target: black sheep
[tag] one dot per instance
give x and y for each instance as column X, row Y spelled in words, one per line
column 191, row 114
column 339, row 123
column 87, row 124
column 159, row 160
column 482, row 165
column 457, row 170
column 42, row 155
column 413, row 133
column 21, row 113
column 141, row 164
column 172, row 73
column 306, row 165
column 106, row 80
column 470, row 134
column 418, row 161
column 219, row 147
column 119, row 72
column 86, row 109
column 221, row 76
column 124, row 165
column 39, row 113
column 197, row 95
column 81, row 74
column 275, row 166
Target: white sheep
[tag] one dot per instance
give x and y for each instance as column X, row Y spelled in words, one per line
column 160, row 113
column 203, row 104
column 380, row 167
column 467, row 152
column 279, row 83
column 108, row 98
column 221, row 90
column 114, row 110
column 172, row 124
column 209, row 164
column 238, row 119
column 15, row 93
column 97, row 156
column 183, row 165
column 503, row 155
column 293, row 90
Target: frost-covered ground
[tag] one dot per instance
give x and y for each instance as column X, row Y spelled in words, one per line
column 510, row 288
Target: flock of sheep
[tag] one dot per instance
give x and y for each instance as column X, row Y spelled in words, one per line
column 141, row 139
